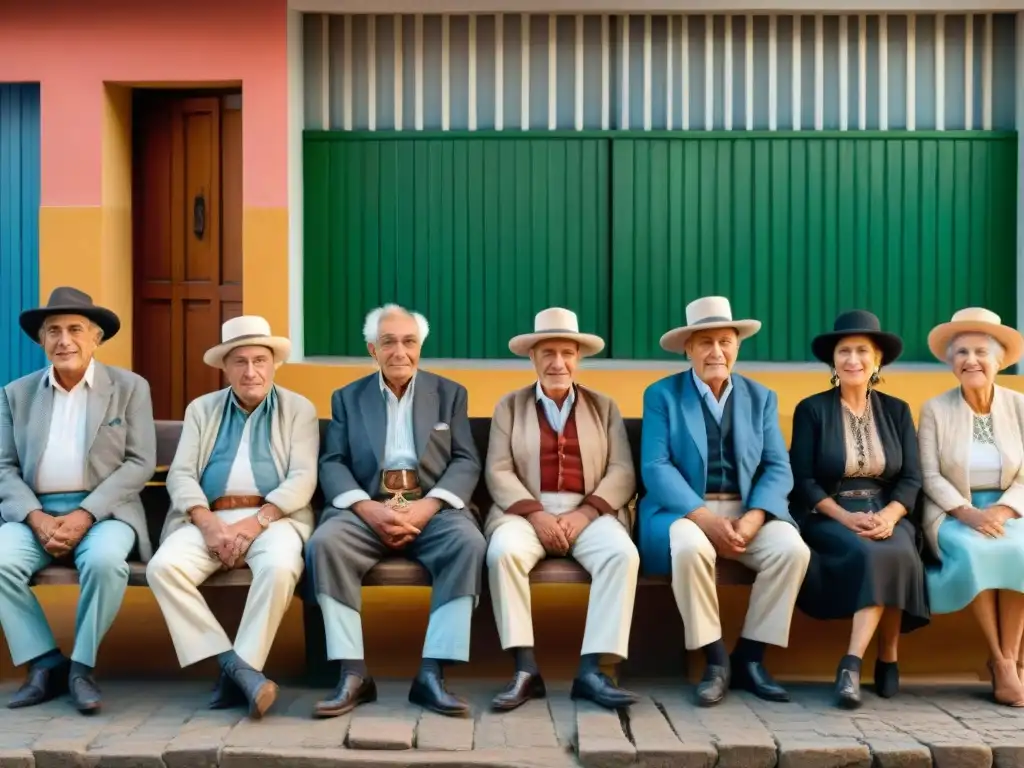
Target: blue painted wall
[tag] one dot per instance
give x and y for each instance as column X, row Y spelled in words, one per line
column 19, row 225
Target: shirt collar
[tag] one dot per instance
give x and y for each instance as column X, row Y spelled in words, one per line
column 240, row 409
column 569, row 400
column 705, row 391
column 88, row 378
column 386, row 390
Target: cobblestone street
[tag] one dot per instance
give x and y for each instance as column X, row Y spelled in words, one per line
column 167, row 724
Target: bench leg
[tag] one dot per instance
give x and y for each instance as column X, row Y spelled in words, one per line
column 320, row 673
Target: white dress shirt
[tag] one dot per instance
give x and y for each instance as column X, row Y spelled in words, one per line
column 62, row 465
column 557, row 417
column 716, row 406
column 399, row 446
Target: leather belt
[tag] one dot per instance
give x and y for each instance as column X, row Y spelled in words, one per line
column 722, row 497
column 236, row 502
column 399, row 486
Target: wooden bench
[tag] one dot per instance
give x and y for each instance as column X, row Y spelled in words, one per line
column 394, row 571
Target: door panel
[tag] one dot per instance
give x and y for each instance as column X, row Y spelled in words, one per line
column 188, row 241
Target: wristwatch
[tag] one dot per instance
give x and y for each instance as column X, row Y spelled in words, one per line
column 263, row 521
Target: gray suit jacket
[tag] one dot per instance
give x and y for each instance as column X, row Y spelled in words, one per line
column 354, row 445
column 120, row 451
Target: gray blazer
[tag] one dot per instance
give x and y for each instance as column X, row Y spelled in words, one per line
column 120, row 452
column 354, row 445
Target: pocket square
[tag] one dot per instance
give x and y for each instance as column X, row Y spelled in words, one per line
column 440, row 426
column 114, row 422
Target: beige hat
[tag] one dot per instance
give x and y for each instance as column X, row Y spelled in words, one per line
column 977, row 320
column 556, row 323
column 706, row 314
column 246, row 331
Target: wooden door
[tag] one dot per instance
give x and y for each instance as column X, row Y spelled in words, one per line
column 187, row 213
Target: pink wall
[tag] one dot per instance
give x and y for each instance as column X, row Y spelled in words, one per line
column 73, row 46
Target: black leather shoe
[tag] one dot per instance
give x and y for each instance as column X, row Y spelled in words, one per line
column 428, row 691
column 352, row 691
column 713, row 685
column 42, row 684
column 85, row 694
column 753, row 677
column 887, row 678
column 598, row 688
column 226, row 694
column 259, row 692
column 524, row 686
column 848, row 688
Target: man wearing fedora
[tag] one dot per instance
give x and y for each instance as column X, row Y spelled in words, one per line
column 240, row 485
column 561, row 475
column 77, row 445
column 717, row 479
column 398, row 470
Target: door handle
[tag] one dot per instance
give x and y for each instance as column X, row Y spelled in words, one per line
column 199, row 216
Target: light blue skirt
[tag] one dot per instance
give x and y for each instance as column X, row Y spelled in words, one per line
column 973, row 563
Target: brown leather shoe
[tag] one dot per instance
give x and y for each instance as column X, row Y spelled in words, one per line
column 428, row 691
column 352, row 691
column 42, row 684
column 524, row 686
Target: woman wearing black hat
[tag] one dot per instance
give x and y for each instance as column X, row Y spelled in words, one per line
column 856, row 479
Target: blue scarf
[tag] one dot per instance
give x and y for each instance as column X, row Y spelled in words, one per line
column 215, row 477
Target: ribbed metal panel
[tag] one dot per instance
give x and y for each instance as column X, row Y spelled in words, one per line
column 19, row 225
column 479, row 234
column 797, row 228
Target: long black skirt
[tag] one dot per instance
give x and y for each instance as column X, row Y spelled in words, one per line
column 849, row 572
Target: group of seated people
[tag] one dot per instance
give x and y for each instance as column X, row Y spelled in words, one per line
column 837, row 525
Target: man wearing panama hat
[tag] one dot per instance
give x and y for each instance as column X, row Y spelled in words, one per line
column 717, row 480
column 240, row 485
column 77, row 445
column 561, row 475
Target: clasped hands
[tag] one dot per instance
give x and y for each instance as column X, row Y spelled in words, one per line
column 873, row 525
column 988, row 522
column 558, row 533
column 228, row 543
column 398, row 525
column 729, row 536
column 59, row 535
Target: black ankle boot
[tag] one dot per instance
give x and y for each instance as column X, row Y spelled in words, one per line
column 887, row 678
column 848, row 682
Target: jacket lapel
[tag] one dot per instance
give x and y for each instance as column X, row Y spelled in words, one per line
column 1006, row 431
column 526, row 441
column 694, row 417
column 593, row 441
column 424, row 410
column 99, row 398
column 375, row 417
column 744, row 442
column 41, row 411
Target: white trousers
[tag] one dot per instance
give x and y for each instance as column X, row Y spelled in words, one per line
column 604, row 549
column 182, row 563
column 779, row 556
column 447, row 631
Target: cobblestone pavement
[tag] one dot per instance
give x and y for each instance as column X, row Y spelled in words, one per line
column 167, row 724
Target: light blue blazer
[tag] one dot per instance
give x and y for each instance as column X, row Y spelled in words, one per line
column 674, row 457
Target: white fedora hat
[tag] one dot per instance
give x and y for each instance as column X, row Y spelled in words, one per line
column 247, row 331
column 977, row 320
column 556, row 323
column 706, row 314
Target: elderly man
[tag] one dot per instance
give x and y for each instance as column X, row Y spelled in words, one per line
column 561, row 475
column 717, row 479
column 240, row 486
column 77, row 445
column 399, row 468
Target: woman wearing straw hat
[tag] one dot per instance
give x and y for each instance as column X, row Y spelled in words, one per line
column 972, row 455
column 857, row 477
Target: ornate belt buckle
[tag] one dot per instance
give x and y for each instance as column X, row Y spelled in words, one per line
column 397, row 500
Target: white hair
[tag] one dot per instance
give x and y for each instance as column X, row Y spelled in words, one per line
column 994, row 347
column 371, row 327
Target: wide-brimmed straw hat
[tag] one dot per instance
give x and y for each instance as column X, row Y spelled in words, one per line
column 707, row 314
column 69, row 301
column 857, row 322
column 556, row 323
column 977, row 320
column 247, row 331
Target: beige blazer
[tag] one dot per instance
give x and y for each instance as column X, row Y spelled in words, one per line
column 295, row 447
column 945, row 435
column 513, row 454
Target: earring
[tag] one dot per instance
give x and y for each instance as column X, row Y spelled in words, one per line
column 875, row 378
column 834, row 381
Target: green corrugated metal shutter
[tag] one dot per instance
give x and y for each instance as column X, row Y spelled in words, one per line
column 478, row 234
column 795, row 229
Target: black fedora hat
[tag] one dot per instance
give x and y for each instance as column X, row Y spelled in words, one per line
column 857, row 322
column 69, row 301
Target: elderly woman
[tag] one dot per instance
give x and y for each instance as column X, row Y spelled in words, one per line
column 972, row 457
column 856, row 479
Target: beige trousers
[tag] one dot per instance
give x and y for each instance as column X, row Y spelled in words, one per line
column 604, row 549
column 182, row 563
column 777, row 554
